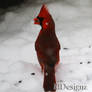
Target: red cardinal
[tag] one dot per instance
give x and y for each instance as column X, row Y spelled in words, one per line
column 47, row 47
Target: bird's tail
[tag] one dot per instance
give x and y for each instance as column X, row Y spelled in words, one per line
column 49, row 79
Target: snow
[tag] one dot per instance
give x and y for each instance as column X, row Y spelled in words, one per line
column 19, row 68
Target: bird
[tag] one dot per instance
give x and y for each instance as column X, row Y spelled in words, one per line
column 47, row 48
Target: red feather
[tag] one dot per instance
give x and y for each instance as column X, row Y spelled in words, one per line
column 44, row 12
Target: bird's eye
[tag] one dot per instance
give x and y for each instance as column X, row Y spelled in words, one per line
column 40, row 19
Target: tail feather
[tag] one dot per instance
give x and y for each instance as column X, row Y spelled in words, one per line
column 49, row 79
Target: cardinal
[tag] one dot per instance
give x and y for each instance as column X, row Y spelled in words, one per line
column 47, row 48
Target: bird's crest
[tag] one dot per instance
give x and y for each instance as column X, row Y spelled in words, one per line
column 44, row 11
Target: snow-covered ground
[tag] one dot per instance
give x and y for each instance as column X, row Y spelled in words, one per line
column 19, row 68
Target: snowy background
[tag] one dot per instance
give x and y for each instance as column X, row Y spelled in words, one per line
column 19, row 68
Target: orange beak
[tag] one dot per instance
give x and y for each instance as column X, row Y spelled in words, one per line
column 36, row 21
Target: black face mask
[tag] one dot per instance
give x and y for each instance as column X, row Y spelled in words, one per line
column 40, row 19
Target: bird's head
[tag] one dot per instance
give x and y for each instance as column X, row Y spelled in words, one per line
column 44, row 18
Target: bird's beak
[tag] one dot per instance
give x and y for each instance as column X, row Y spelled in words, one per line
column 36, row 21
